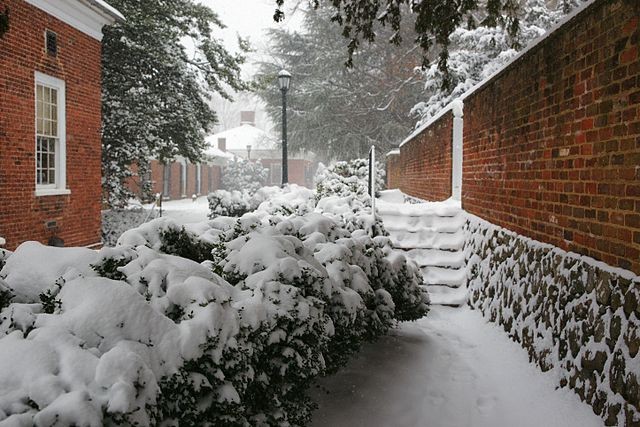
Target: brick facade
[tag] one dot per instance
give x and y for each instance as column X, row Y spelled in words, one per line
column 210, row 179
column 552, row 143
column 393, row 176
column 300, row 171
column 426, row 162
column 23, row 216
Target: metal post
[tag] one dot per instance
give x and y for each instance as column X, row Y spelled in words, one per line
column 285, row 169
column 372, row 183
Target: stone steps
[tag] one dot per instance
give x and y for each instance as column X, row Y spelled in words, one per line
column 430, row 234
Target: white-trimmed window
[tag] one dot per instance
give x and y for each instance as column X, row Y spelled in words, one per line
column 50, row 136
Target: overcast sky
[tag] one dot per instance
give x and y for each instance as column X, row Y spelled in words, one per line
column 250, row 19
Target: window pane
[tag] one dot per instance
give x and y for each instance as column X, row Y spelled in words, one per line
column 39, row 93
column 54, row 113
column 47, row 127
column 40, row 126
column 53, row 96
column 39, row 109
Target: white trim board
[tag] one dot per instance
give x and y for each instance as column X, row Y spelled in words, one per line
column 88, row 16
column 60, row 187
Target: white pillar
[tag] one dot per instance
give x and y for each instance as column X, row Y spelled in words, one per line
column 456, row 173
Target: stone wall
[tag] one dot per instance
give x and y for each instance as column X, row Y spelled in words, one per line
column 573, row 315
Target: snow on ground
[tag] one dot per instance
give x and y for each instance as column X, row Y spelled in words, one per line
column 185, row 211
column 449, row 369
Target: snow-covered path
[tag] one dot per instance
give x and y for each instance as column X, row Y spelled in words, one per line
column 450, row 369
column 186, row 211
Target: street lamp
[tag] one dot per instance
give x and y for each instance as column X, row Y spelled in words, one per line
column 284, row 79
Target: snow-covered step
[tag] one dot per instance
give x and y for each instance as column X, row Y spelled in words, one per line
column 435, row 257
column 416, row 224
column 441, row 209
column 443, row 295
column 428, row 240
column 450, row 277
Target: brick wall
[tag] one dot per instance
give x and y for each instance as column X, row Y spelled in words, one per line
column 425, row 162
column 552, row 146
column 22, row 215
column 394, row 178
column 210, row 179
column 300, row 171
column 552, row 143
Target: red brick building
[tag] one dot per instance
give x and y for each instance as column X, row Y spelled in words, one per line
column 252, row 143
column 50, row 118
column 181, row 179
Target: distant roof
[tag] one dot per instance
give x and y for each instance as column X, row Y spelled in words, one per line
column 239, row 137
column 215, row 152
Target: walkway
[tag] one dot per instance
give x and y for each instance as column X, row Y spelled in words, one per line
column 449, row 369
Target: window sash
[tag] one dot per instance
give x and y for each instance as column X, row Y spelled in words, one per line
column 47, row 136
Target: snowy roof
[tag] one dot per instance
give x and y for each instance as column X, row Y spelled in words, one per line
column 106, row 8
column 239, row 137
column 455, row 104
column 215, row 152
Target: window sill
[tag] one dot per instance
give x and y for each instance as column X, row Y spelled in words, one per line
column 52, row 192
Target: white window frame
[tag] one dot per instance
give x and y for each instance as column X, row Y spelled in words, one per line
column 60, row 186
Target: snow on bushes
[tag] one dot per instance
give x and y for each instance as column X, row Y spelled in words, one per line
column 348, row 179
column 244, row 175
column 117, row 221
column 292, row 199
column 230, row 332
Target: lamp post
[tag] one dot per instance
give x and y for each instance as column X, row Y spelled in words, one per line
column 284, row 78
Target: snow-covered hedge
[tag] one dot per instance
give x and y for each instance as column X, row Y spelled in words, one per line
column 230, row 332
column 117, row 221
column 348, row 178
column 576, row 317
column 292, row 199
column 243, row 175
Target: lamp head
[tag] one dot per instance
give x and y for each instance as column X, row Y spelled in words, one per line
column 284, row 79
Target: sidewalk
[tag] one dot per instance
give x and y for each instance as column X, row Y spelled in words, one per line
column 450, row 369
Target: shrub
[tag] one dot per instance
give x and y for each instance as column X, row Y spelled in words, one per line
column 224, row 323
column 243, row 175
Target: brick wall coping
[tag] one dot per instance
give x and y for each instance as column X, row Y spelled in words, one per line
column 536, row 42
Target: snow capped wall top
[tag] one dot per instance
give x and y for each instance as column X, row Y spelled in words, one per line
column 453, row 106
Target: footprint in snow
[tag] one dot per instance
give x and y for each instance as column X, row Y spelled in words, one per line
column 436, row 398
column 485, row 404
